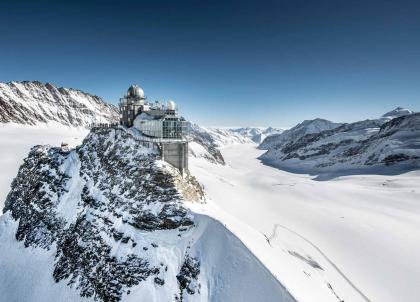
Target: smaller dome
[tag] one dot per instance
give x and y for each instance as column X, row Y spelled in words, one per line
column 170, row 105
column 135, row 91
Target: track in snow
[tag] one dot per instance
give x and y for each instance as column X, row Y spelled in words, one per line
column 274, row 235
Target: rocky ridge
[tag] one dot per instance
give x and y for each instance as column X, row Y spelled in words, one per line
column 33, row 102
column 85, row 202
column 392, row 140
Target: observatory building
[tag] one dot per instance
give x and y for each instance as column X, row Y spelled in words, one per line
column 158, row 123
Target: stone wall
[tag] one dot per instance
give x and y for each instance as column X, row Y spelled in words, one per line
column 176, row 154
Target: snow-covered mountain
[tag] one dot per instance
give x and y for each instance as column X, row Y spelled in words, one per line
column 371, row 144
column 206, row 142
column 256, row 134
column 203, row 144
column 108, row 221
column 33, row 102
column 298, row 131
column 397, row 112
column 226, row 136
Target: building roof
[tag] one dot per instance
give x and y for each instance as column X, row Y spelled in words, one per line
column 135, row 91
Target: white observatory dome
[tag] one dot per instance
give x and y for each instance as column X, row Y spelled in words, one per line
column 135, row 91
column 170, row 105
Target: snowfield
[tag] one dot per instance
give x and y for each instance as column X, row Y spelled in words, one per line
column 352, row 238
column 16, row 140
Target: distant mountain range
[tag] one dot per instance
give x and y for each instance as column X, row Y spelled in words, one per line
column 313, row 146
column 256, row 134
column 390, row 143
column 33, row 102
column 207, row 141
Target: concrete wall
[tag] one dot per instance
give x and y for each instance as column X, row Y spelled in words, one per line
column 176, row 154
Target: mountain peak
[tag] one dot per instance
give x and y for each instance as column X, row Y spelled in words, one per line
column 397, row 112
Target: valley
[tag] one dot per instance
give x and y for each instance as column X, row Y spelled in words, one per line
column 360, row 229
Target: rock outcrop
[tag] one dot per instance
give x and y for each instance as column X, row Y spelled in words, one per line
column 87, row 201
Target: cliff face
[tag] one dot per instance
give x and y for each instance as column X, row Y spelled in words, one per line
column 32, row 102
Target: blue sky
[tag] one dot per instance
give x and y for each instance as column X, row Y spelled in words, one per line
column 226, row 63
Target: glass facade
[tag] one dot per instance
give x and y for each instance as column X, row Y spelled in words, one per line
column 166, row 128
column 173, row 128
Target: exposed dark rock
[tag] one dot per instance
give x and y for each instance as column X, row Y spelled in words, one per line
column 35, row 193
column 395, row 158
column 159, row 281
column 108, row 177
column 187, row 277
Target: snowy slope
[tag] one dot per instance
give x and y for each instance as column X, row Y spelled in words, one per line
column 107, row 221
column 16, row 141
column 390, row 144
column 203, row 144
column 353, row 238
column 32, row 102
